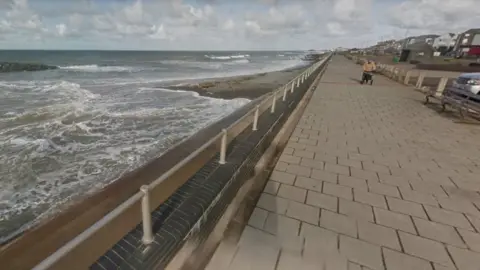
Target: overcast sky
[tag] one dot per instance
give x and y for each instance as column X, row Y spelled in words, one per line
column 224, row 24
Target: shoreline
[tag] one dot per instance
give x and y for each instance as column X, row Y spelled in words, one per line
column 243, row 86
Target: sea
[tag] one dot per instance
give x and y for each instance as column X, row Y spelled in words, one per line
column 68, row 132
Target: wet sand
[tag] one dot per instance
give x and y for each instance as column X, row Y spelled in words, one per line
column 249, row 86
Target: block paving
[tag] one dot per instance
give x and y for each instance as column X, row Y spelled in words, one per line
column 372, row 179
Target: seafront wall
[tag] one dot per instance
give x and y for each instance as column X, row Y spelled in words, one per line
column 229, row 227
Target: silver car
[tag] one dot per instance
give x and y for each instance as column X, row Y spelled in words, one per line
column 468, row 82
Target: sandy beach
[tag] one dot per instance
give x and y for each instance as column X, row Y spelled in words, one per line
column 248, row 86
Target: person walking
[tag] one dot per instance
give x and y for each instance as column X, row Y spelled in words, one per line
column 368, row 68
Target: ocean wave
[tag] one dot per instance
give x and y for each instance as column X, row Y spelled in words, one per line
column 244, row 70
column 68, row 158
column 47, row 101
column 31, row 90
column 70, row 89
column 97, row 68
column 193, row 64
column 240, row 61
column 227, row 57
column 241, row 101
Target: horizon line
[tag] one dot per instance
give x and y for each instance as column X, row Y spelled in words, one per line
column 140, row 50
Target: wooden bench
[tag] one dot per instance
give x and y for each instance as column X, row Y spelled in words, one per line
column 467, row 103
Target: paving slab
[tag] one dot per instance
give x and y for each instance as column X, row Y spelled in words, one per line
column 373, row 175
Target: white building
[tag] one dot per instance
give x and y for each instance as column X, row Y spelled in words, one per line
column 445, row 42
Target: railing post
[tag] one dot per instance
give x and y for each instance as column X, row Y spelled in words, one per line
column 255, row 118
column 441, row 86
column 274, row 102
column 390, row 71
column 298, row 82
column 406, row 81
column 421, row 77
column 400, row 75
column 285, row 93
column 223, row 147
column 293, row 86
column 147, row 238
column 303, row 77
column 395, row 73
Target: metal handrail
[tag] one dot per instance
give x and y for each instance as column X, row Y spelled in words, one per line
column 143, row 197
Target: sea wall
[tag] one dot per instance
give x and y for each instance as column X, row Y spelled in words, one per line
column 17, row 67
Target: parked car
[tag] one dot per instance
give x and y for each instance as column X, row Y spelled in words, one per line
column 468, row 82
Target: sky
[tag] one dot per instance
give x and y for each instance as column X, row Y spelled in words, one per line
column 225, row 24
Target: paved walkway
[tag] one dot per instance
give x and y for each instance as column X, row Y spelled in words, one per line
column 371, row 179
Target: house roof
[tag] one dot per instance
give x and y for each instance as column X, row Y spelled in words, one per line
column 419, row 46
column 473, row 30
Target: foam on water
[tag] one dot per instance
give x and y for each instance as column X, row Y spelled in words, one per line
column 96, row 68
column 227, row 57
column 52, row 154
column 80, row 127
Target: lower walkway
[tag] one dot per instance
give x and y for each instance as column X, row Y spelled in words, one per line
column 370, row 179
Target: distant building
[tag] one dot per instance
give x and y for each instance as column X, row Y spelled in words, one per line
column 416, row 51
column 468, row 43
column 383, row 47
column 445, row 43
column 423, row 39
column 386, row 42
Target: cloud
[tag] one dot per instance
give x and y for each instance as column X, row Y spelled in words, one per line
column 21, row 19
column 436, row 15
column 61, row 29
column 228, row 25
column 223, row 24
column 277, row 20
column 335, row 29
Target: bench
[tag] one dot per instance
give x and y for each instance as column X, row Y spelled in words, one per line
column 467, row 103
column 432, row 92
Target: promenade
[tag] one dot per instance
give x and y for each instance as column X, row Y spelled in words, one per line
column 370, row 179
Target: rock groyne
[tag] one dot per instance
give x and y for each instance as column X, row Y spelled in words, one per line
column 17, row 67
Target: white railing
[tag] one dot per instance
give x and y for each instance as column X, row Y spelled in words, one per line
column 140, row 204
